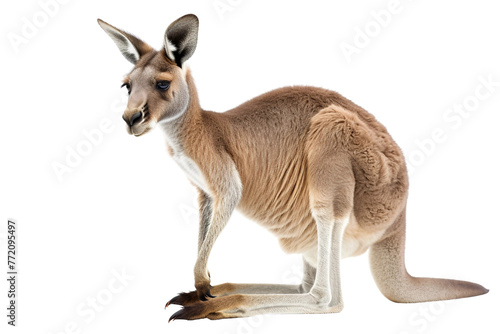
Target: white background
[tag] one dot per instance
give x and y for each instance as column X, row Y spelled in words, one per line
column 127, row 206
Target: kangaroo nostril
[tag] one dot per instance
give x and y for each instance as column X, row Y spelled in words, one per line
column 135, row 117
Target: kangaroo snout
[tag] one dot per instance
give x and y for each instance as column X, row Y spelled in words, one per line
column 135, row 118
column 138, row 120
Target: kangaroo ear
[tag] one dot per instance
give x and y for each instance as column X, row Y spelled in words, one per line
column 181, row 38
column 131, row 47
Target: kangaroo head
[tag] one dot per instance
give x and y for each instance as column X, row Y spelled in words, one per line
column 157, row 86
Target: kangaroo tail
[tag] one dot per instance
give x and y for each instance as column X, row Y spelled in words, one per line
column 387, row 262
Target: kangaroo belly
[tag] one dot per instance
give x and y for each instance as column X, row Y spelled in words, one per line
column 295, row 229
column 300, row 236
column 357, row 239
column 355, row 242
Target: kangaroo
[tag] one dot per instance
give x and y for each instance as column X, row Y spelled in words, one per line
column 318, row 171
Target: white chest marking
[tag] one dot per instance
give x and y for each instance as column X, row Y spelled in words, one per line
column 192, row 170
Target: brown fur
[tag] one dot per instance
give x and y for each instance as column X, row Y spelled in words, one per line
column 311, row 166
column 275, row 183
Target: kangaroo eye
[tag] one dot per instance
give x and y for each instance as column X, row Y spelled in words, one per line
column 162, row 85
column 126, row 84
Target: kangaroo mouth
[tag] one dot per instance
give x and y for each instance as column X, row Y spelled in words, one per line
column 137, row 132
column 139, row 129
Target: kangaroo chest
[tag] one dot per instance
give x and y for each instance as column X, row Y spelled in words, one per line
column 188, row 165
column 192, row 171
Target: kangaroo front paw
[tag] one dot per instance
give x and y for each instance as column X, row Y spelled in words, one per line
column 202, row 284
column 203, row 291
